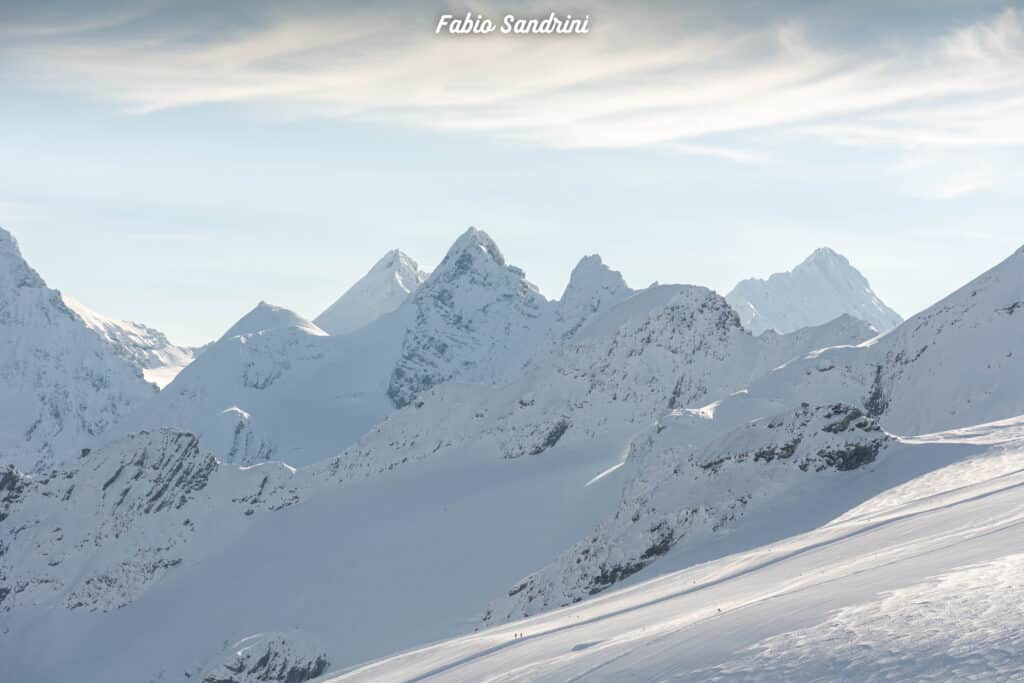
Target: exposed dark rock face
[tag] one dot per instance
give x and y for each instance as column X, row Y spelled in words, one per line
column 95, row 535
column 272, row 658
column 552, row 437
column 685, row 493
column 12, row 487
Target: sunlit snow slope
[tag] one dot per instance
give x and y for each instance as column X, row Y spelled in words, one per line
column 921, row 580
column 61, row 384
column 386, row 287
column 144, row 347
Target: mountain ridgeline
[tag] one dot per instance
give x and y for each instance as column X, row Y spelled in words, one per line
column 441, row 452
column 822, row 287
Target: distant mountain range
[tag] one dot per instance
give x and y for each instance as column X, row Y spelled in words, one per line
column 438, row 454
column 824, row 286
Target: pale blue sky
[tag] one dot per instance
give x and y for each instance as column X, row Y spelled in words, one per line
column 173, row 164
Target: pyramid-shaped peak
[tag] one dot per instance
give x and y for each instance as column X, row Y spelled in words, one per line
column 826, row 255
column 383, row 289
column 475, row 258
column 822, row 287
column 474, row 242
column 395, row 260
column 475, row 318
column 266, row 316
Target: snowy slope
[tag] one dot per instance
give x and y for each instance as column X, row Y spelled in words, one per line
column 681, row 494
column 467, row 505
column 958, row 362
column 593, row 287
column 821, row 288
column 908, row 571
column 277, row 387
column 410, row 555
column 267, row 317
column 662, row 348
column 144, row 347
column 950, row 366
column 586, row 444
column 388, row 284
column 95, row 533
column 954, row 364
column 61, row 384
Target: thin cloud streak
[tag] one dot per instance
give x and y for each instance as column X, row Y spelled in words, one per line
column 610, row 89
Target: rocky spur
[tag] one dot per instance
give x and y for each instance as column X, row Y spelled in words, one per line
column 511, row 24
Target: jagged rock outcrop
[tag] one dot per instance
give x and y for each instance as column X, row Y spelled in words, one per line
column 267, row 658
column 668, row 347
column 593, row 288
column 681, row 492
column 476, row 319
column 99, row 531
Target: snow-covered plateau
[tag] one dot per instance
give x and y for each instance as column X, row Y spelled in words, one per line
column 452, row 477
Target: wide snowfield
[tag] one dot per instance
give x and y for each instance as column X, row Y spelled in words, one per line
column 375, row 566
column 923, row 580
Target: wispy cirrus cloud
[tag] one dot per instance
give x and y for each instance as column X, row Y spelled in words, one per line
column 642, row 77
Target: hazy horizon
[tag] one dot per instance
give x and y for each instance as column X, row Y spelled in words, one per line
column 175, row 163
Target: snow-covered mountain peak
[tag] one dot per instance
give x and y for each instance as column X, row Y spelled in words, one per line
column 822, row 287
column 475, row 318
column 395, row 260
column 592, row 287
column 14, row 270
column 383, row 289
column 954, row 364
column 61, row 385
column 591, row 276
column 474, row 261
column 269, row 317
column 826, row 255
column 473, row 242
